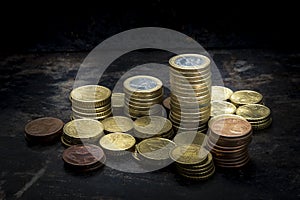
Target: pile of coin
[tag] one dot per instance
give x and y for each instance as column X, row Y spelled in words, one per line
column 83, row 158
column 258, row 115
column 153, row 126
column 143, row 96
column 243, row 97
column 91, row 101
column 220, row 93
column 80, row 131
column 228, row 141
column 118, row 124
column 154, row 152
column 193, row 162
column 190, row 80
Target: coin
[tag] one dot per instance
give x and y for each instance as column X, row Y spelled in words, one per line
column 189, row 154
column 117, row 100
column 142, row 84
column 189, row 62
column 243, row 97
column 117, row 142
column 189, row 137
column 220, row 93
column 43, row 130
column 166, row 103
column 254, row 112
column 91, row 110
column 118, row 124
column 224, row 116
column 221, row 107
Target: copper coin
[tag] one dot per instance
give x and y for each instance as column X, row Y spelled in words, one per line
column 44, row 129
column 83, row 155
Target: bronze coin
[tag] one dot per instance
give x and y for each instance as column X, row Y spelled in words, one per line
column 83, row 155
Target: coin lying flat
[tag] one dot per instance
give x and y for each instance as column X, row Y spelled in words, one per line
column 43, row 130
column 189, row 62
column 220, row 93
column 221, row 107
column 189, row 154
column 118, row 124
column 189, row 137
column 142, row 84
column 243, row 97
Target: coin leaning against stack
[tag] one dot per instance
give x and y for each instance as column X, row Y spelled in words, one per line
column 190, row 80
column 91, row 101
column 193, row 162
column 143, row 94
column 228, row 141
column 258, row 115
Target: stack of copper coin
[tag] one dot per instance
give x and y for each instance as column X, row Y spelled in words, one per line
column 83, row 158
column 193, row 162
column 228, row 141
column 118, row 124
column 190, row 79
column 91, row 101
column 258, row 115
column 243, row 97
column 153, row 126
column 80, row 131
column 143, row 96
column 43, row 130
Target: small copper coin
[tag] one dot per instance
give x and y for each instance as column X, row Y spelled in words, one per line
column 83, row 155
column 45, row 129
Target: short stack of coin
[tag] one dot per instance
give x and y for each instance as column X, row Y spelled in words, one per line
column 190, row 80
column 118, row 124
column 220, row 93
column 243, row 97
column 258, row 115
column 91, row 101
column 154, row 152
column 228, row 141
column 143, row 96
column 153, row 126
column 84, row 158
column 117, row 144
column 80, row 131
column 193, row 162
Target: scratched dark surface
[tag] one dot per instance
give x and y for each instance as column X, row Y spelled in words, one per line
column 41, row 51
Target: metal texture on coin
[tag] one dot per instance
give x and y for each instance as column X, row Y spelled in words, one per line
column 189, row 137
column 117, row 142
column 90, row 94
column 43, row 127
column 220, row 93
column 243, row 97
column 189, row 154
column 253, row 112
column 152, row 125
column 221, row 107
column 118, row 124
column 83, row 128
column 142, row 84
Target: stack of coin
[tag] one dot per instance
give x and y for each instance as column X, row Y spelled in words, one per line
column 211, row 120
column 189, row 137
column 154, row 151
column 190, row 79
column 193, row 162
column 143, row 96
column 118, row 103
column 43, row 130
column 80, row 131
column 220, row 93
column 118, row 124
column 243, row 97
column 117, row 144
column 153, row 126
column 228, row 141
column 91, row 101
column 258, row 115
column 219, row 107
column 84, row 158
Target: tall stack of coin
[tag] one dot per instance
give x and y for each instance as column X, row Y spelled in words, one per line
column 153, row 126
column 193, row 162
column 80, row 131
column 258, row 115
column 91, row 101
column 143, row 94
column 243, row 97
column 228, row 141
column 190, row 79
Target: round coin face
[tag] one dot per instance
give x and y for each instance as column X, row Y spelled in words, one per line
column 90, row 93
column 118, row 124
column 152, row 125
column 189, row 137
column 155, row 148
column 253, row 111
column 189, row 154
column 83, row 155
column 117, row 142
column 221, row 107
column 246, row 97
column 44, row 127
column 231, row 127
column 220, row 93
column 83, row 128
column 190, row 61
column 142, row 83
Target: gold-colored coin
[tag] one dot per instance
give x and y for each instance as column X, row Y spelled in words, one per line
column 74, row 116
column 189, row 137
column 155, row 148
column 142, row 84
column 90, row 94
column 254, row 112
column 220, row 93
column 263, row 125
column 219, row 107
column 117, row 100
column 189, row 154
column 91, row 110
column 152, row 125
column 190, row 73
column 118, row 124
column 83, row 128
column 243, row 97
column 92, row 115
column 190, row 62
column 116, row 142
